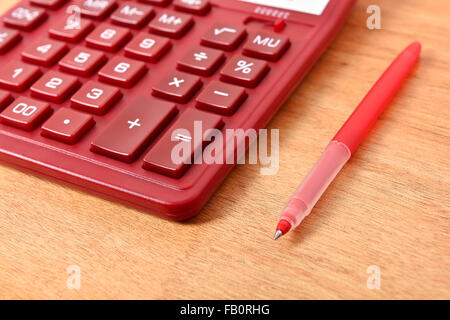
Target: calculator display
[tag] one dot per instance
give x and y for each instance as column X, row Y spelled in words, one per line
column 315, row 7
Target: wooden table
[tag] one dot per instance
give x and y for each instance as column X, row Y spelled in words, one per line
column 389, row 207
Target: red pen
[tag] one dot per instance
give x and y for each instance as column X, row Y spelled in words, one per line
column 346, row 141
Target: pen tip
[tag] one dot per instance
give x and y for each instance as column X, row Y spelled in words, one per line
column 278, row 234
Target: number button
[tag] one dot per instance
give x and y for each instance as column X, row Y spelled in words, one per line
column 266, row 45
column 24, row 17
column 67, row 125
column 244, row 71
column 147, row 47
column 5, row 99
column 8, row 39
column 96, row 98
column 223, row 36
column 127, row 136
column 55, row 87
column 109, row 38
column 221, row 98
column 25, row 113
column 66, row 30
column 82, row 61
column 177, row 86
column 123, row 72
column 97, row 9
column 202, row 61
column 200, row 7
column 171, row 24
column 45, row 52
column 160, row 158
column 132, row 15
column 18, row 76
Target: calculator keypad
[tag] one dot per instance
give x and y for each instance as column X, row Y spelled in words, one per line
column 54, row 87
column 132, row 15
column 25, row 113
column 202, row 61
column 223, row 36
column 95, row 97
column 122, row 72
column 171, row 24
column 66, row 30
column 67, row 125
column 24, row 17
column 8, row 38
column 177, row 86
column 18, row 76
column 116, row 44
column 82, row 61
column 127, row 136
column 44, row 52
column 244, row 71
column 108, row 37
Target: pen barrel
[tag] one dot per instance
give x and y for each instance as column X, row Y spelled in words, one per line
column 319, row 178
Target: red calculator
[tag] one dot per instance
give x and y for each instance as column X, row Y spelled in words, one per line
column 92, row 91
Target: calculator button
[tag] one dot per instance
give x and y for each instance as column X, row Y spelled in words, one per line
column 108, row 37
column 200, row 7
column 132, row 15
column 54, row 86
column 244, row 71
column 25, row 17
column 18, row 76
column 147, row 47
column 8, row 38
column 82, row 61
column 171, row 24
column 129, row 134
column 51, row 4
column 162, row 3
column 67, row 125
column 122, row 71
column 159, row 158
column 65, row 29
column 221, row 98
column 177, row 86
column 25, row 113
column 266, row 45
column 225, row 37
column 45, row 52
column 95, row 97
column 97, row 9
column 202, row 61
column 5, row 99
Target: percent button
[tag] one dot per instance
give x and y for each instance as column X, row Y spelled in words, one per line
column 244, row 71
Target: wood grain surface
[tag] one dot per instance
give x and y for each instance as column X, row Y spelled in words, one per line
column 389, row 207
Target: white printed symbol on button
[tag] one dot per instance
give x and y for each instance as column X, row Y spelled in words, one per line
column 176, row 82
column 170, row 19
column 183, row 137
column 244, row 66
column 131, row 11
column 200, row 56
column 222, row 30
column 67, row 121
column 220, row 93
column 133, row 124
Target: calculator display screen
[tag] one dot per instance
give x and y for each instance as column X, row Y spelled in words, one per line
column 315, row 7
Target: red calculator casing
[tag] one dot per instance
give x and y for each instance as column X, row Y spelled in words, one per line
column 130, row 183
